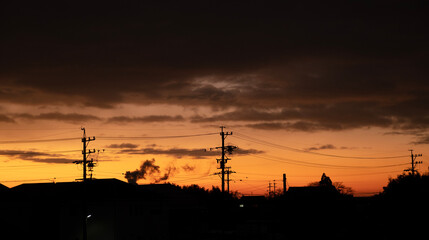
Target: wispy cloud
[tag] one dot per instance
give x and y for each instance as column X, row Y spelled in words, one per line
column 146, row 119
column 35, row 156
column 122, row 145
column 188, row 168
column 184, row 152
column 422, row 140
column 57, row 116
column 324, row 147
column 4, row 118
column 176, row 152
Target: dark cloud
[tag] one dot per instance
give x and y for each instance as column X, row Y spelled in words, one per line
column 328, row 65
column 53, row 160
column 322, row 147
column 146, row 119
column 35, row 156
column 122, row 145
column 422, row 140
column 188, row 168
column 421, row 137
column 57, row 116
column 23, row 154
column 241, row 151
column 4, row 118
column 176, row 152
column 333, row 117
column 183, row 152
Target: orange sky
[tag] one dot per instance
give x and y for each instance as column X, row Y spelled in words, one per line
column 253, row 171
column 345, row 80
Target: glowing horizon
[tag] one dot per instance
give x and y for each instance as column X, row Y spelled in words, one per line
column 254, row 170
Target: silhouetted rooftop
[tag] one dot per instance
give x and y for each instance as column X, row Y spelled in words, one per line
column 3, row 188
column 97, row 188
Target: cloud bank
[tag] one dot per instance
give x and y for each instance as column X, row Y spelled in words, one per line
column 302, row 66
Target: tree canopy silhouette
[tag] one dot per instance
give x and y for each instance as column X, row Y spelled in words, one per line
column 408, row 186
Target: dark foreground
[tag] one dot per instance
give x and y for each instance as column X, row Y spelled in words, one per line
column 118, row 210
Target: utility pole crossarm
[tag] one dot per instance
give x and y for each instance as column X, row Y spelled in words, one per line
column 414, row 163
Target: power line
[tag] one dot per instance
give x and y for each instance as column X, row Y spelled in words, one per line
column 18, row 166
column 63, row 151
column 263, row 142
column 157, row 137
column 105, row 137
column 193, row 178
column 367, row 174
column 40, row 179
column 29, row 180
column 36, row 129
column 38, row 140
column 24, row 167
column 312, row 164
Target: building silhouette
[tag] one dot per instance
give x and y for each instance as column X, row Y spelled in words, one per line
column 113, row 209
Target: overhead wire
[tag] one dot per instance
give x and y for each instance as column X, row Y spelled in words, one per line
column 294, row 176
column 313, row 164
column 193, row 178
column 25, row 167
column 38, row 140
column 29, row 180
column 266, row 143
column 155, row 137
column 39, row 179
column 106, row 137
column 64, row 151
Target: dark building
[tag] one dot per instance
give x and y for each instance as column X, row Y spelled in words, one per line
column 114, row 210
column 3, row 188
column 313, row 192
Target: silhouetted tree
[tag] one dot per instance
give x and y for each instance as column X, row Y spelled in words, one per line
column 402, row 206
column 342, row 189
column 407, row 186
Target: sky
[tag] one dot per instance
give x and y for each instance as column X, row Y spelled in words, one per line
column 306, row 88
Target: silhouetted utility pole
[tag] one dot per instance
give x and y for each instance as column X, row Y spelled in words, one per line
column 274, row 186
column 224, row 158
column 284, row 183
column 85, row 153
column 84, row 162
column 269, row 188
column 414, row 163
